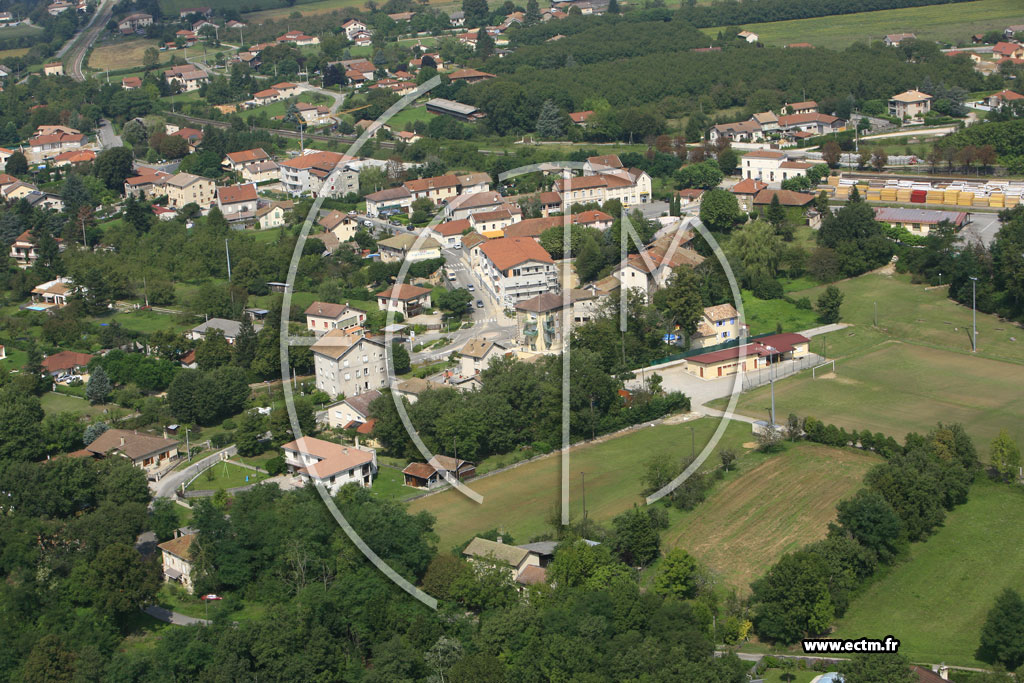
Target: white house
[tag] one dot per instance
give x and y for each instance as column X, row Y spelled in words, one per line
column 515, row 269
column 329, row 464
column 477, row 355
column 322, row 317
column 348, row 363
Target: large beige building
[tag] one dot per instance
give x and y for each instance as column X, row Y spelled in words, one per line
column 185, row 188
column 348, row 364
column 515, row 269
column 717, row 324
column 910, row 104
column 309, row 174
column 329, row 464
column 539, row 320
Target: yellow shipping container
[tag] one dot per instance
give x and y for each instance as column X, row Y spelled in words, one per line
column 903, row 195
column 981, row 202
column 933, row 198
column 950, row 196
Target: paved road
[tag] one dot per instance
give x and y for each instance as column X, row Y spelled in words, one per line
column 176, row 618
column 165, row 487
column 338, row 97
column 105, row 134
column 76, row 55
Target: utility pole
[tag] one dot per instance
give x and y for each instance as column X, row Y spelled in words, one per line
column 188, row 448
column 693, row 442
column 145, row 290
column 583, row 485
column 227, row 251
column 974, row 314
column 876, row 314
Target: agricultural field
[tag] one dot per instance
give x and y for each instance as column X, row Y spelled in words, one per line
column 410, row 114
column 522, row 500
column 933, row 601
column 14, row 52
column 19, row 31
column 931, row 22
column 773, row 507
column 921, row 347
column 261, row 10
column 123, row 55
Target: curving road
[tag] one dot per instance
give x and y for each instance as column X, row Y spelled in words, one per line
column 80, row 44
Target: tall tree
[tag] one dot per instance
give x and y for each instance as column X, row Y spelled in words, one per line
column 476, row 12
column 1002, row 636
column 214, row 351
column 681, row 301
column 870, row 520
column 245, row 343
column 532, row 13
column 679, row 575
column 829, row 304
column 98, row 387
column 719, row 210
column 113, row 166
column 757, row 250
column 484, row 43
column 1005, row 456
column 775, row 214
column 17, row 164
column 549, row 121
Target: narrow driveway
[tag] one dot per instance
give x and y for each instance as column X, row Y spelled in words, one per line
column 105, row 134
column 176, row 618
column 166, row 486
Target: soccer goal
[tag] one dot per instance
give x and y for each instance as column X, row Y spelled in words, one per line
column 814, row 370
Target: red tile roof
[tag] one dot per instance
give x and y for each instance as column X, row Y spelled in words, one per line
column 65, row 360
column 233, row 194
column 507, row 252
column 404, row 292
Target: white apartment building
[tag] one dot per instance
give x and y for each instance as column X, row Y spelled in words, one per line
column 308, row 173
column 515, row 269
column 348, row 364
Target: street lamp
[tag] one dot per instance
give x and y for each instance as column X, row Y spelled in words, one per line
column 771, row 379
column 974, row 314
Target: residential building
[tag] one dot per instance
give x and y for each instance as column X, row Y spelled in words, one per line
column 763, row 199
column 441, row 468
column 193, row 136
column 407, row 246
column 493, row 223
column 411, row 389
column 748, row 36
column 50, row 143
column 762, row 164
column 24, row 249
column 449, row 234
column 1004, row 50
column 515, row 269
column 539, row 320
column 238, row 202
column 408, row 300
column 745, row 191
column 185, row 188
column 910, row 104
column 471, row 183
column 390, row 201
column 261, row 172
column 604, row 163
column 133, row 22
column 717, row 324
column 348, row 363
column 264, row 97
column 64, row 362
column 478, row 354
column 271, row 216
column 352, row 411
column 188, row 76
column 329, row 464
column 322, row 317
column 309, row 174
column 740, row 131
column 343, row 225
column 767, row 121
column 146, row 451
column 230, row 328
column 298, row 38
column 1002, row 98
column 806, row 107
column 476, row 202
column 652, row 269
column 920, row 221
column 176, row 559
column 894, row 39
column 54, row 293
column 513, row 559
column 593, row 219
column 148, row 185
column 131, row 82
column 814, row 123
column 580, row 117
column 468, row 76
column 629, row 186
column 53, row 69
column 352, row 27
column 439, row 190
column 236, row 161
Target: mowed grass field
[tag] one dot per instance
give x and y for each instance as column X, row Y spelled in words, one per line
column 521, row 501
column 123, row 55
column 915, row 369
column 936, row 601
column 774, row 507
column 950, row 23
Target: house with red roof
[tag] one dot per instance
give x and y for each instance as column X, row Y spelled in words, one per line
column 329, row 464
column 515, row 269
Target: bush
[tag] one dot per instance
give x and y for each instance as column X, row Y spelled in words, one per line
column 767, row 288
column 275, row 466
column 804, row 304
column 222, row 439
column 228, row 424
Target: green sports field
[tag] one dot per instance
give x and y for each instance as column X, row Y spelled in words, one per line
column 520, row 501
column 912, row 370
column 935, row 602
column 950, row 23
column 773, row 507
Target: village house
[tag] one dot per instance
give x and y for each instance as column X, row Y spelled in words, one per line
column 230, row 328
column 716, row 325
column 262, row 172
column 477, row 355
column 343, row 225
column 298, row 38
column 412, row 388
column 438, row 190
column 603, row 163
column 630, row 186
column 515, row 269
column 236, row 161
column 329, row 464
column 493, row 223
column 134, row 22
column 238, row 202
column 513, row 559
column 131, row 83
column 265, row 96
column 894, row 39
column 176, row 559
column 477, row 202
column 392, row 200
column 441, row 468
column 748, row 36
column 593, row 219
column 787, row 198
column 771, row 166
column 745, row 191
column 448, row 234
column 144, row 450
column 347, row 363
column 471, row 183
column 55, row 139
column 408, row 247
column 910, row 104
column 148, row 185
column 352, row 411
column 313, row 114
column 188, row 76
column 650, row 270
column 309, row 173
column 54, row 293
column 807, row 107
column 539, row 320
column 53, row 69
column 24, row 249
column 322, row 317
column 271, row 215
column 580, row 117
column 1004, row 50
column 919, row 221
column 186, row 188
column 409, row 300
column 1002, row 98
column 352, row 27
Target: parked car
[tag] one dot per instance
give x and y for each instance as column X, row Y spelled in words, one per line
column 479, row 303
column 451, row 277
column 470, row 287
column 368, row 224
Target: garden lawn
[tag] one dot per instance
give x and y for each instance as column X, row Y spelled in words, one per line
column 390, row 485
column 948, row 23
column 14, row 360
column 147, row 321
column 522, row 500
column 420, row 113
column 174, row 598
column 123, row 54
column 54, row 403
column 935, row 601
column 775, row 505
column 764, row 316
column 226, row 475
